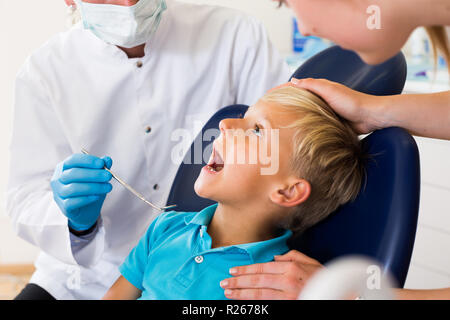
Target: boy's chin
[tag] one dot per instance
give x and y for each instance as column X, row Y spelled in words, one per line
column 203, row 190
column 207, row 192
column 215, row 191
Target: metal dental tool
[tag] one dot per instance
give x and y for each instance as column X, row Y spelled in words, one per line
column 127, row 186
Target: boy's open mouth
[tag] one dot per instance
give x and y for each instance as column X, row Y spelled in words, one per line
column 215, row 163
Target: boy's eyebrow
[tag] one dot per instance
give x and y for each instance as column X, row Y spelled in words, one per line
column 263, row 120
column 266, row 122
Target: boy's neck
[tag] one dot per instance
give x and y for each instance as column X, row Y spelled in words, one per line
column 231, row 226
column 136, row 52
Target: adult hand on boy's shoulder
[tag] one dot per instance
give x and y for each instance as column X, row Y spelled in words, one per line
column 363, row 111
column 282, row 279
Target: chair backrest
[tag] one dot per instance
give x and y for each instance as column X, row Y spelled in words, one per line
column 381, row 222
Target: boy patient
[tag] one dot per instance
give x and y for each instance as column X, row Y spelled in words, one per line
column 185, row 255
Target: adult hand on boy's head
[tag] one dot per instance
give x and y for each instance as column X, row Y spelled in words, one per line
column 362, row 110
column 282, row 279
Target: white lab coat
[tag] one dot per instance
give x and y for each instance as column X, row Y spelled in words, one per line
column 77, row 91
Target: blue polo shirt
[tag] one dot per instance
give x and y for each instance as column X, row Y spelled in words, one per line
column 174, row 259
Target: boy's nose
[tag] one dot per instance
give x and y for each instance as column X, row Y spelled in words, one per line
column 225, row 124
column 229, row 124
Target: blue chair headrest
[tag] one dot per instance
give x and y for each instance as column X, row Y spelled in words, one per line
column 381, row 223
column 347, row 68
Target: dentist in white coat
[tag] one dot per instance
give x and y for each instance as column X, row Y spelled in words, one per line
column 119, row 86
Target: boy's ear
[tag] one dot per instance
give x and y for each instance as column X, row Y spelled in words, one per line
column 293, row 194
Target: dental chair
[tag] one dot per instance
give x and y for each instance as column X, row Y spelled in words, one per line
column 381, row 223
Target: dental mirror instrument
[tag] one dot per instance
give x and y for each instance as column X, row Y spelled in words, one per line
column 127, row 186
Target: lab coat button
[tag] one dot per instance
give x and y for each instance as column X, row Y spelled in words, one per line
column 156, row 187
column 139, row 64
column 148, row 129
column 199, row 259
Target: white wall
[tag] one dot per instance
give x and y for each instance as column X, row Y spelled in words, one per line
column 277, row 21
column 430, row 265
column 25, row 24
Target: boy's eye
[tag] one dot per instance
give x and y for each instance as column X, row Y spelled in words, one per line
column 257, row 130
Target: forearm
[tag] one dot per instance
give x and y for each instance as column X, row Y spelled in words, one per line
column 426, row 115
column 434, row 294
column 37, row 219
column 122, row 290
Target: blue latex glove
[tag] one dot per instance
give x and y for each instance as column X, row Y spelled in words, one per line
column 80, row 184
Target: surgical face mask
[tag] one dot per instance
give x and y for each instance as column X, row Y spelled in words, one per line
column 123, row 26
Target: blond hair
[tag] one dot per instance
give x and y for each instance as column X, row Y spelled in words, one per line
column 326, row 152
column 439, row 40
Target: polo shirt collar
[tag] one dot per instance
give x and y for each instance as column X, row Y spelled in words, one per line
column 203, row 217
column 261, row 251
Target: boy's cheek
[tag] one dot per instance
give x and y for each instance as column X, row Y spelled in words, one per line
column 244, row 178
